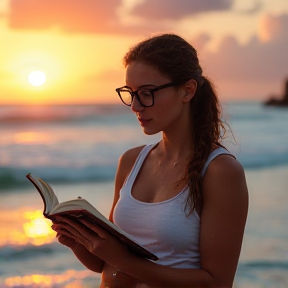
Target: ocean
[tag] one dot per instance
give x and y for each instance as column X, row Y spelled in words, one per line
column 76, row 150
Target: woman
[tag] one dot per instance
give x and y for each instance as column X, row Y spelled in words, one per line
column 185, row 198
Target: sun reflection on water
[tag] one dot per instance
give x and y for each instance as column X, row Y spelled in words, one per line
column 38, row 229
column 22, row 227
column 27, row 226
column 69, row 279
column 30, row 137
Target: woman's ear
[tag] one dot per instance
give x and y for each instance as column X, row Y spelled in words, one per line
column 190, row 90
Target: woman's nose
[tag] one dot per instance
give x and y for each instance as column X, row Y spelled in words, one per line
column 136, row 106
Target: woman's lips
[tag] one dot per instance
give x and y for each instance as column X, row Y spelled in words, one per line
column 143, row 121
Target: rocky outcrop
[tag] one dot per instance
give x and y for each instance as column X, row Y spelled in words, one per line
column 275, row 101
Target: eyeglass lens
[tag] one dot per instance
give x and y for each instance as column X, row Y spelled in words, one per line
column 145, row 97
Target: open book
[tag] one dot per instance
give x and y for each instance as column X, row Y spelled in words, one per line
column 80, row 207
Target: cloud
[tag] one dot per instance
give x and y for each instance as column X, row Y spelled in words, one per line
column 77, row 16
column 177, row 9
column 257, row 63
column 69, row 15
column 248, row 7
column 273, row 27
column 97, row 16
column 253, row 61
column 200, row 41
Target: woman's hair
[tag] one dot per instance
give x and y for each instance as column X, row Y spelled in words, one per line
column 172, row 56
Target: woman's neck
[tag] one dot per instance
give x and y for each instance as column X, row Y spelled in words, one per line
column 176, row 148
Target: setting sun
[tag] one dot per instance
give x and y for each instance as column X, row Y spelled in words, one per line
column 37, row 78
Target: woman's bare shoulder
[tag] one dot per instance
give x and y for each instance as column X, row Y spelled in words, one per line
column 225, row 164
column 127, row 160
column 130, row 156
column 225, row 178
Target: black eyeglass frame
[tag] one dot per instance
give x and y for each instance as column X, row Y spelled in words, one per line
column 135, row 93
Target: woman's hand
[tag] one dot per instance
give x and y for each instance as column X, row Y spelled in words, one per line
column 66, row 240
column 65, row 237
column 94, row 238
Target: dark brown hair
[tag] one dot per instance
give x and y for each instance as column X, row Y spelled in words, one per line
column 174, row 57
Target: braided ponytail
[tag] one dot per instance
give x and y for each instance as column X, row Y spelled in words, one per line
column 207, row 129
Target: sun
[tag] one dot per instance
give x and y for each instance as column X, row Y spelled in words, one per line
column 37, row 78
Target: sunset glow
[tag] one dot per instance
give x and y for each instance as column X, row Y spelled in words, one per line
column 73, row 52
column 31, row 138
column 37, row 78
column 38, row 229
column 25, row 227
column 69, row 279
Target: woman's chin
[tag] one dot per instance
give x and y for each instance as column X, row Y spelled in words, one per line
column 149, row 131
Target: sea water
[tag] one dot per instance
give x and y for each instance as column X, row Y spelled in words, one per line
column 76, row 149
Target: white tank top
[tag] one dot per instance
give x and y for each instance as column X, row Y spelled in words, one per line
column 164, row 228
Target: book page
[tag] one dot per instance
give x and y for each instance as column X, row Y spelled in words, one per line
column 49, row 198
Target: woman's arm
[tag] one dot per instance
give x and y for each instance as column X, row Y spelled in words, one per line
column 88, row 259
column 223, row 219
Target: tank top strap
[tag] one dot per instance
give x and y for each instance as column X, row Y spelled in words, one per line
column 213, row 155
column 138, row 163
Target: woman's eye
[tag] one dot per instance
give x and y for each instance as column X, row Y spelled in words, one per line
column 145, row 93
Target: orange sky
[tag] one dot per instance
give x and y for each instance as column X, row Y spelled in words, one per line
column 79, row 45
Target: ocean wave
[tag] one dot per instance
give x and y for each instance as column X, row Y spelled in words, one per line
column 262, row 273
column 12, row 253
column 263, row 161
column 58, row 113
column 264, row 265
column 11, row 177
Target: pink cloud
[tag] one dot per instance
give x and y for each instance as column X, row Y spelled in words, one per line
column 171, row 9
column 75, row 16
column 199, row 42
column 97, row 16
column 253, row 61
column 69, row 15
column 254, row 68
column 273, row 27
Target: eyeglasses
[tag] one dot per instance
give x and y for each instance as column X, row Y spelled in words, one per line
column 145, row 96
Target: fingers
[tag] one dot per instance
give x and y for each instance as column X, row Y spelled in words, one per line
column 70, row 232
column 81, row 225
column 63, row 231
column 72, row 226
column 93, row 237
column 78, row 232
column 69, row 242
column 101, row 232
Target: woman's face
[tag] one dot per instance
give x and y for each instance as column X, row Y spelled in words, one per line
column 167, row 111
